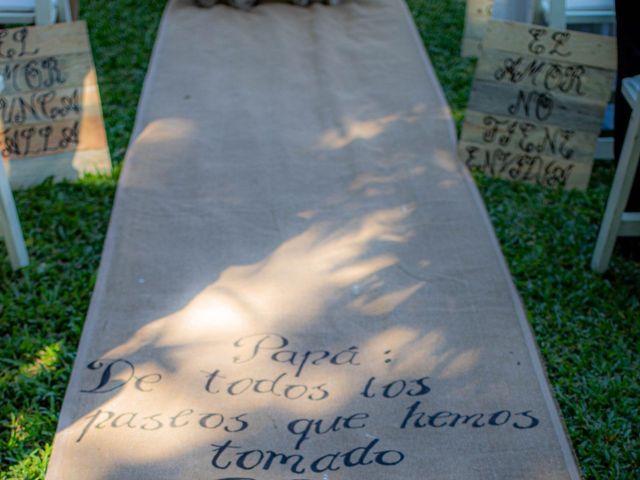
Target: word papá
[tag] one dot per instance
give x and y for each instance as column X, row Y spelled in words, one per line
column 537, row 104
column 323, row 436
column 49, row 104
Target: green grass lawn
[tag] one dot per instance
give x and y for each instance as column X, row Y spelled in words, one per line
column 587, row 325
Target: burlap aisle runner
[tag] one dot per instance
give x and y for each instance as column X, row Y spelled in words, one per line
column 299, row 280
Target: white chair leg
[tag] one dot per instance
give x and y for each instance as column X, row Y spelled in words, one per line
column 625, row 173
column 558, row 14
column 10, row 225
column 64, row 11
column 45, row 12
column 604, row 149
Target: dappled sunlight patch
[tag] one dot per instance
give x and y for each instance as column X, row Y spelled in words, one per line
column 385, row 303
column 460, row 364
column 298, row 281
column 307, row 214
column 353, row 130
column 45, row 359
column 446, row 160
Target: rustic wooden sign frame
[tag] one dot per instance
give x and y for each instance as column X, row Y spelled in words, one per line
column 537, row 104
column 50, row 107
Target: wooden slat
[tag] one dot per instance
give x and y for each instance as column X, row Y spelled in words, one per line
column 50, row 138
column 36, row 42
column 541, row 170
column 50, row 105
column 559, row 78
column 530, row 105
column 580, row 48
column 511, row 134
column 44, row 74
column 67, row 165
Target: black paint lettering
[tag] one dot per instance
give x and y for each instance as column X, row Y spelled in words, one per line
column 284, row 460
column 333, row 426
column 105, row 384
column 70, row 136
column 543, row 105
column 563, row 149
column 380, row 457
column 495, row 418
column 270, row 341
column 151, row 379
column 289, row 391
column 219, row 451
column 158, row 424
column 270, row 385
column 104, row 423
column 355, row 417
column 231, row 389
column 92, row 419
column 284, row 356
column 211, row 378
column 319, row 393
column 52, row 69
column 26, row 136
column 471, row 155
column 438, row 415
column 24, row 110
column 242, row 459
column 316, row 464
column 124, row 419
column 365, row 392
column 411, row 413
column 20, row 37
column 359, row 455
column 346, row 357
column 45, row 133
column 300, row 427
column 533, row 421
column 535, row 45
column 183, row 413
column 206, row 420
column 422, row 389
column 315, row 356
column 475, row 419
column 560, row 39
column 388, row 389
column 32, row 75
column 242, row 424
column 10, row 74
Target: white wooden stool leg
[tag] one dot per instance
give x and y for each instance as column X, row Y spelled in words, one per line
column 45, row 12
column 625, row 173
column 64, row 11
column 558, row 14
column 10, row 225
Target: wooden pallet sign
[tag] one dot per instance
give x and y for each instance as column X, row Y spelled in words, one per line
column 50, row 105
column 537, row 104
column 477, row 16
